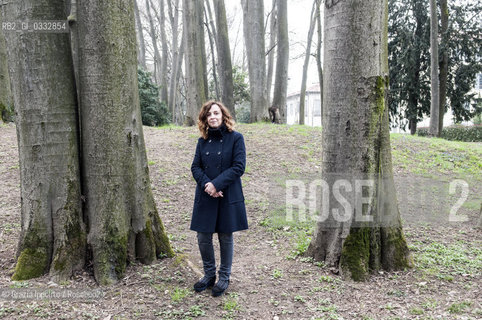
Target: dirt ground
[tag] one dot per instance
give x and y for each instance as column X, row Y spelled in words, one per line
column 268, row 281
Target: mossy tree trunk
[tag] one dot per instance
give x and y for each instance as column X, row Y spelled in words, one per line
column 53, row 236
column 123, row 222
column 98, row 155
column 196, row 84
column 356, row 144
column 434, row 128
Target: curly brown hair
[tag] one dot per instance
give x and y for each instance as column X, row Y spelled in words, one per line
column 202, row 121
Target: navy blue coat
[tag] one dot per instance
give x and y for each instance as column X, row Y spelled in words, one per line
column 221, row 160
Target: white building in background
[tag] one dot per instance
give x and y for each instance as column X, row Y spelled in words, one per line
column 312, row 107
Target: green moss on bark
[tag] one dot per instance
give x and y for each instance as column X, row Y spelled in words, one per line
column 355, row 254
column 31, row 263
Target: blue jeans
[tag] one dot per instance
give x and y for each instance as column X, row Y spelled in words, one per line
column 205, row 242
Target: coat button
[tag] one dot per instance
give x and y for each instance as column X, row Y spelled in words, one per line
column 221, row 140
column 209, row 141
column 218, row 167
column 219, row 152
column 207, row 153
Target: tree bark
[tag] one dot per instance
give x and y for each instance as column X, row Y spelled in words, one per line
column 195, row 60
column 318, row 51
column 165, row 54
column 141, row 48
column 282, row 60
column 123, row 223
column 444, row 61
column 356, row 144
column 225, row 68
column 306, row 62
column 176, row 56
column 271, row 51
column 53, row 235
column 157, row 55
column 253, row 27
column 434, row 129
column 6, row 104
column 212, row 36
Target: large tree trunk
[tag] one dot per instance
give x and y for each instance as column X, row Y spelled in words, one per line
column 306, row 63
column 123, row 222
column 195, row 59
column 119, row 222
column 444, row 61
column 356, row 144
column 5, row 92
column 157, row 55
column 225, row 68
column 271, row 51
column 53, row 235
column 253, row 26
column 141, row 46
column 434, row 129
column 282, row 60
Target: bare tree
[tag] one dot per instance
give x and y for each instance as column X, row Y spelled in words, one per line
column 271, row 50
column 253, row 26
column 282, row 60
column 225, row 68
column 141, row 48
column 212, row 36
column 196, row 79
column 165, row 54
column 307, row 61
column 434, row 80
column 318, row 51
column 177, row 57
column 152, row 32
column 351, row 236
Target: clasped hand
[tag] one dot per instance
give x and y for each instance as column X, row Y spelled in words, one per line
column 210, row 189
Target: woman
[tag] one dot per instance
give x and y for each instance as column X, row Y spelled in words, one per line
column 219, row 207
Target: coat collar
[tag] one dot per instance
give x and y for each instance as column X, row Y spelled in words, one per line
column 218, row 132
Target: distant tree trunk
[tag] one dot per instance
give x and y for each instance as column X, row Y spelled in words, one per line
column 356, row 144
column 413, row 92
column 318, row 51
column 195, row 59
column 5, row 92
column 271, row 51
column 53, row 235
column 444, row 62
column 253, row 26
column 123, row 222
column 141, row 52
column 165, row 54
column 306, row 63
column 225, row 68
column 434, row 129
column 157, row 55
column 176, row 58
column 212, row 36
column 282, row 60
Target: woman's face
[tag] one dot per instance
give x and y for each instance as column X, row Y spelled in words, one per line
column 215, row 116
